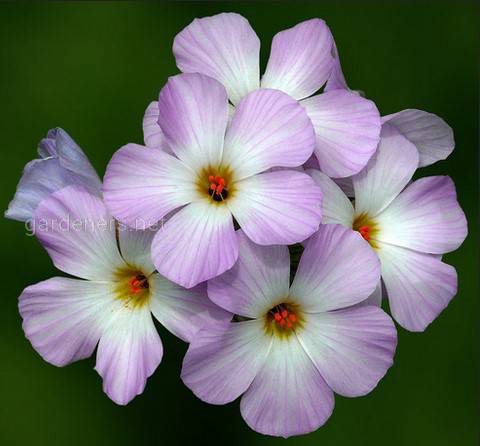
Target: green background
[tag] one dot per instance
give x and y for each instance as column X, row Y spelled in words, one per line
column 92, row 68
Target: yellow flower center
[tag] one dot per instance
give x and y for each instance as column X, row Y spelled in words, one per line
column 366, row 227
column 132, row 286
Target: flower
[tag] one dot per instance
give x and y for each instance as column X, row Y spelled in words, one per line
column 409, row 226
column 62, row 163
column 295, row 345
column 430, row 134
column 214, row 173
column 65, row 318
column 226, row 48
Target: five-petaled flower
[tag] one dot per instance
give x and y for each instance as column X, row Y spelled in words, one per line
column 295, row 345
column 225, row 47
column 212, row 174
column 409, row 225
column 65, row 318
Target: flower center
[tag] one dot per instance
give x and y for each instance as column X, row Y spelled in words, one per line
column 132, row 286
column 218, row 188
column 215, row 183
column 138, row 283
column 366, row 227
column 283, row 319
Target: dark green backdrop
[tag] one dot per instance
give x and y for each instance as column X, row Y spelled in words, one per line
column 92, row 68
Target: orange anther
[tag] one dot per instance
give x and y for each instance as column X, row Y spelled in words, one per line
column 218, row 186
column 138, row 283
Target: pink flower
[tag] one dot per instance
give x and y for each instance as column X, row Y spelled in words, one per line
column 61, row 163
column 213, row 173
column 409, row 225
column 294, row 345
column 112, row 302
column 225, row 47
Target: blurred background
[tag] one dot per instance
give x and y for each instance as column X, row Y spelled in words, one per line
column 92, row 68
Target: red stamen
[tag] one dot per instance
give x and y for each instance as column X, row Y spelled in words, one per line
column 284, row 317
column 217, row 185
column 134, row 286
column 138, row 283
column 364, row 232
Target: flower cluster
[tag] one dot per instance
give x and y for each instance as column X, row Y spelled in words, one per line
column 194, row 226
